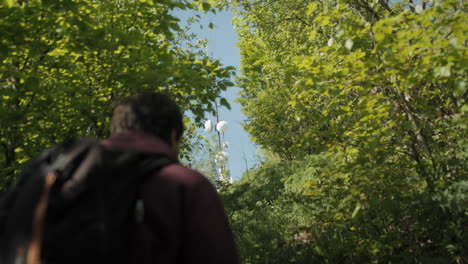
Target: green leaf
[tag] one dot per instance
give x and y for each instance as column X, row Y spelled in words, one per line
column 356, row 210
column 206, row 6
column 443, row 71
column 8, row 3
column 225, row 103
column 461, row 87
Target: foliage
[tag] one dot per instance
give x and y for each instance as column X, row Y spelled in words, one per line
column 210, row 159
column 64, row 62
column 270, row 38
column 305, row 211
column 366, row 104
column 203, row 158
column 300, row 80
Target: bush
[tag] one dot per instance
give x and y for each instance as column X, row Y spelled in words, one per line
column 298, row 212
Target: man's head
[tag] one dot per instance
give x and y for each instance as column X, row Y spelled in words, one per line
column 153, row 113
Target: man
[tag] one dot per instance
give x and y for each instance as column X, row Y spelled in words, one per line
column 184, row 219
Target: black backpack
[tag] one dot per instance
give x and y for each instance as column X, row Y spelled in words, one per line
column 75, row 203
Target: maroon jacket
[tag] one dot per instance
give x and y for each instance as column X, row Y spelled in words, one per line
column 184, row 218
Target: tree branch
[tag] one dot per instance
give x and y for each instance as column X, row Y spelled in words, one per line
column 411, row 5
column 386, row 6
column 9, row 155
column 365, row 7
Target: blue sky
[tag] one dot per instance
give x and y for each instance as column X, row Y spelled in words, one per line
column 222, row 41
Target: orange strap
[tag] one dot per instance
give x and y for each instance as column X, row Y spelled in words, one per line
column 34, row 251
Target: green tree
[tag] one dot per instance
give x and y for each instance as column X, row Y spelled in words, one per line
column 298, row 75
column 272, row 34
column 365, row 77
column 370, row 97
column 64, row 62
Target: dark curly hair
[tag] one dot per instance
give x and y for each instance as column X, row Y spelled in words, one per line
column 153, row 113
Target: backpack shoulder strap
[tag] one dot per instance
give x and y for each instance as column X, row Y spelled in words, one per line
column 154, row 162
column 150, row 164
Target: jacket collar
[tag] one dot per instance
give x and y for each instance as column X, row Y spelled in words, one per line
column 140, row 141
